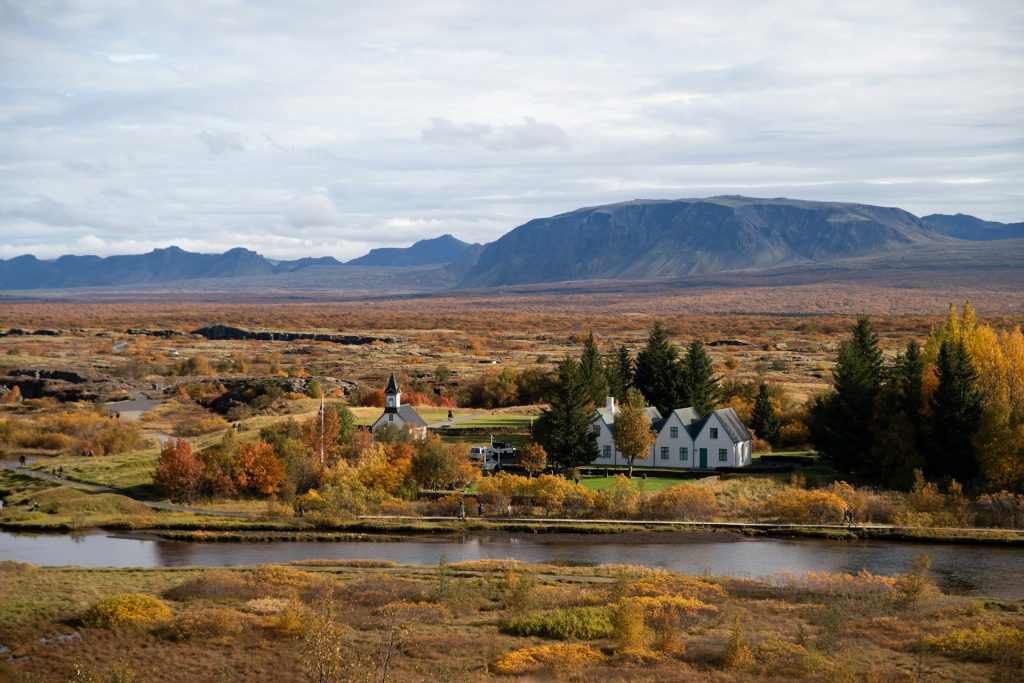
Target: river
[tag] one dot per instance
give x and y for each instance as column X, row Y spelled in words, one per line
column 958, row 569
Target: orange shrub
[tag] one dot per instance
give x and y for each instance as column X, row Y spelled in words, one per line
column 126, row 609
column 800, row 506
column 685, row 501
column 257, row 468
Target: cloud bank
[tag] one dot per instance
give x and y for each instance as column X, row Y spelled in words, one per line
column 328, row 128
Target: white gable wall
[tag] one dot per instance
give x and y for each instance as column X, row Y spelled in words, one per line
column 681, row 440
column 388, row 419
column 736, row 454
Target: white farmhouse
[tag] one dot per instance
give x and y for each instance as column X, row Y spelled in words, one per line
column 684, row 439
column 398, row 415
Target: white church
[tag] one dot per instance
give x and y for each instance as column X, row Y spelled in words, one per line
column 684, row 439
column 398, row 415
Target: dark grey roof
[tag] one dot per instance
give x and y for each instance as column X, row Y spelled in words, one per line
column 733, row 425
column 392, row 387
column 687, row 415
column 410, row 416
column 608, row 417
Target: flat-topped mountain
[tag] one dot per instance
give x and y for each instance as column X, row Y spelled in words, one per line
column 964, row 227
column 443, row 249
column 658, row 238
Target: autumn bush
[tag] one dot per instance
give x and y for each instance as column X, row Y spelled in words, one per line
column 560, row 659
column 985, row 643
column 126, row 609
column 798, row 505
column 80, row 431
column 201, row 425
column 212, row 624
column 212, row 584
column 570, row 623
column 784, row 658
column 685, row 501
column 1002, row 509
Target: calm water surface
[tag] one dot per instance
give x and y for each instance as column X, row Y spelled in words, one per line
column 967, row 570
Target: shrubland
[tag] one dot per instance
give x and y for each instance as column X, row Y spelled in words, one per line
column 489, row 620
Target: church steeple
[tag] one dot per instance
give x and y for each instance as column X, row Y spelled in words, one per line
column 392, row 395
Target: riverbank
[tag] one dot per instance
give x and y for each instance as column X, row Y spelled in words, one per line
column 68, row 506
column 492, row 620
column 202, row 529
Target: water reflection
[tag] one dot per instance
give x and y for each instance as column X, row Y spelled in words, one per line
column 957, row 569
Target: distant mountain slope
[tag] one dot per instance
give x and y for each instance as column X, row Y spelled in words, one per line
column 443, row 249
column 160, row 265
column 964, row 227
column 657, row 238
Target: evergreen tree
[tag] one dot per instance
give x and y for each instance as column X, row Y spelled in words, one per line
column 618, row 369
column 564, row 428
column 898, row 422
column 956, row 416
column 659, row 373
column 763, row 419
column 592, row 371
column 699, row 387
column 841, row 420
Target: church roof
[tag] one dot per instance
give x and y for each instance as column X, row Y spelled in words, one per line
column 392, row 387
column 410, row 416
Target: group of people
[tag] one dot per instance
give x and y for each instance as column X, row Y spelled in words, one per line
column 480, row 510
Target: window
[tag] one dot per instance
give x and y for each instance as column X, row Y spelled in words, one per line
column 684, row 453
column 714, row 432
column 606, row 452
column 664, row 452
column 391, row 417
column 723, row 455
column 673, row 432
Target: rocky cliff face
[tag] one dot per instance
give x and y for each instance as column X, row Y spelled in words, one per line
column 655, row 238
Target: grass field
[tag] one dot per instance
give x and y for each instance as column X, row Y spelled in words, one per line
column 498, row 620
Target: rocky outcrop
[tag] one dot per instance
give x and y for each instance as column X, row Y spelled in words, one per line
column 220, row 332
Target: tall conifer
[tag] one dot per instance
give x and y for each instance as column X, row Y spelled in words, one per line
column 563, row 428
column 592, row 371
column 841, row 420
column 956, row 416
column 763, row 419
column 659, row 373
column 699, row 386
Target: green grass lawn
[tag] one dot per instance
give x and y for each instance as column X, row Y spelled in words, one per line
column 132, row 471
column 645, row 485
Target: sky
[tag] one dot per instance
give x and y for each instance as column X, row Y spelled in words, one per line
column 328, row 127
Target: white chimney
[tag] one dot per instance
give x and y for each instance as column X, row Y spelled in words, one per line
column 609, row 403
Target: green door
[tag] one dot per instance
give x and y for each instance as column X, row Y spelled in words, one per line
column 703, row 457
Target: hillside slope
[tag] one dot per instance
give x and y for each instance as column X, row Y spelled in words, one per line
column 658, row 238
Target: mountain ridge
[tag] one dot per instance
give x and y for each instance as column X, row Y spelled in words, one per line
column 657, row 238
column 630, row 240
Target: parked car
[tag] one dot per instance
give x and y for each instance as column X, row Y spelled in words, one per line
column 485, row 457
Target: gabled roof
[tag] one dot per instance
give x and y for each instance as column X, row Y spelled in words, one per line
column 686, row 415
column 392, row 387
column 608, row 417
column 733, row 425
column 410, row 416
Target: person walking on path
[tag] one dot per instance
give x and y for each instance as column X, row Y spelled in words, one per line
column 462, row 511
column 480, row 509
column 21, row 460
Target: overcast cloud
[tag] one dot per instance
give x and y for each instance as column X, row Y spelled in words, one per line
column 309, row 128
